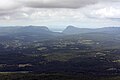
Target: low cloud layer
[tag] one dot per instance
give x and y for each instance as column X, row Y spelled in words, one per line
column 61, row 3
column 57, row 3
column 55, row 11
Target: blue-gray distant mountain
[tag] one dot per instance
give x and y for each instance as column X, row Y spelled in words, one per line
column 27, row 33
column 75, row 30
column 38, row 33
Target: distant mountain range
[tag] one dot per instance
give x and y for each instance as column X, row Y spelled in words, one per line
column 27, row 33
column 75, row 30
column 33, row 33
column 43, row 29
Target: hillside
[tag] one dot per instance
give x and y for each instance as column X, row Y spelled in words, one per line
column 26, row 33
column 75, row 30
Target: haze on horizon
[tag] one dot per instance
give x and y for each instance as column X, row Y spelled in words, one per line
column 57, row 14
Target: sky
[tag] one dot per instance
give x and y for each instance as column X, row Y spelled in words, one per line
column 57, row 14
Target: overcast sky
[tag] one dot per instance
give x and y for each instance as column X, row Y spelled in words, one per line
column 60, row 13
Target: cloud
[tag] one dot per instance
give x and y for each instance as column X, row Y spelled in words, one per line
column 8, row 4
column 14, row 9
column 61, row 3
column 103, row 11
column 57, row 3
column 53, row 11
column 108, row 12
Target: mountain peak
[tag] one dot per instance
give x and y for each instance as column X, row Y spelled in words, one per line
column 71, row 30
column 70, row 27
column 74, row 30
column 37, row 27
